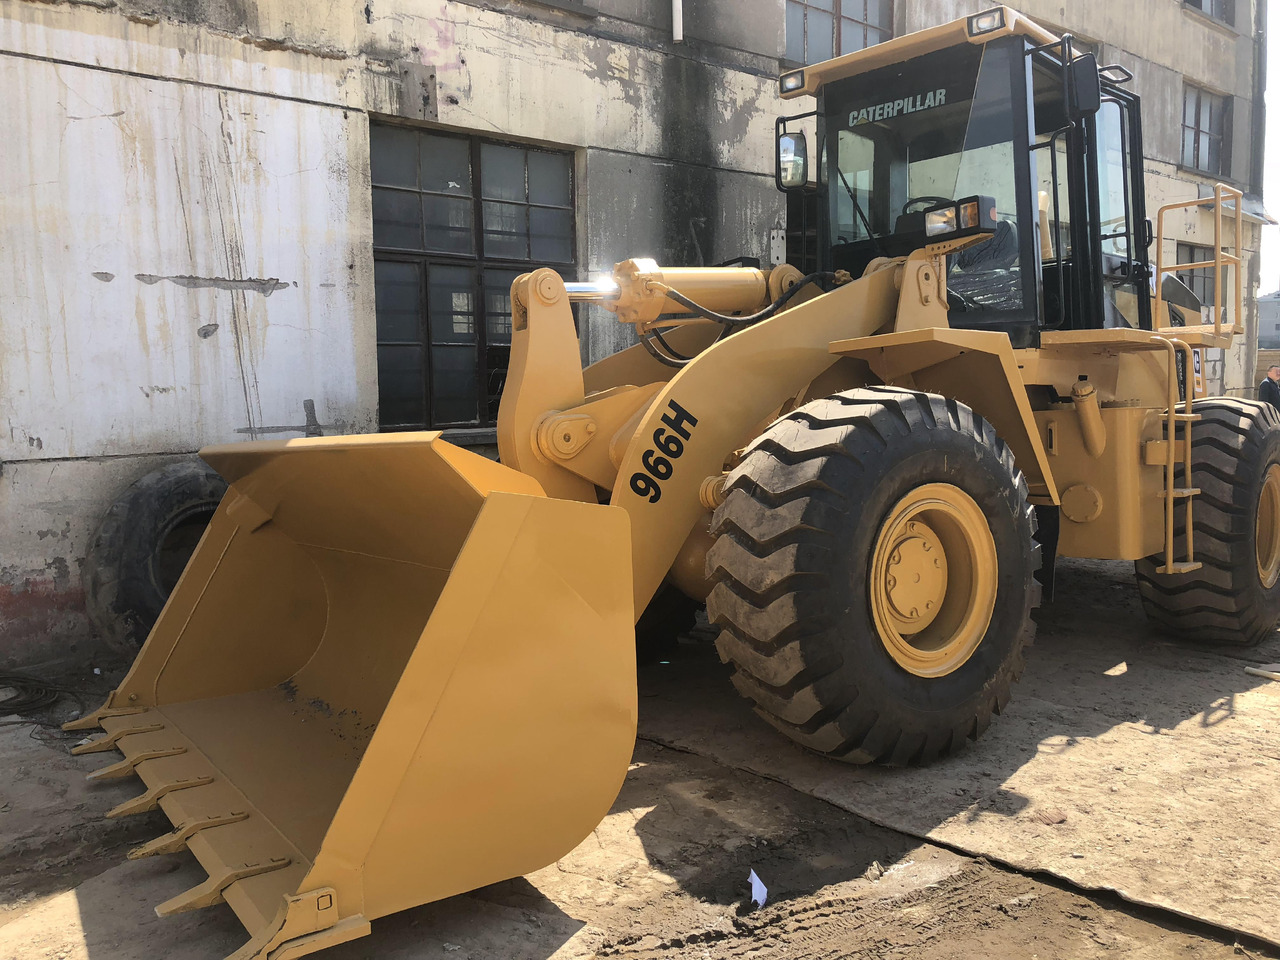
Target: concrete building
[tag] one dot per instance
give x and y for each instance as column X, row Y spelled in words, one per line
column 226, row 221
column 269, row 218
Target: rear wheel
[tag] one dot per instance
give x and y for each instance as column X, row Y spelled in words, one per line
column 1234, row 598
column 874, row 575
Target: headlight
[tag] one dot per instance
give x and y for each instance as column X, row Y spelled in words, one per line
column 986, row 22
column 969, row 214
column 940, row 221
column 791, row 82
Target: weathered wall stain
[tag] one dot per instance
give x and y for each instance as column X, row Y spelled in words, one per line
column 691, row 198
column 230, row 139
column 311, row 428
column 33, row 611
column 265, row 286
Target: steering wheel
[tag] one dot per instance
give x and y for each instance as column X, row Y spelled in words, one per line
column 927, row 201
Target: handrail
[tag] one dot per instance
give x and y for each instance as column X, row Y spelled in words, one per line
column 1219, row 262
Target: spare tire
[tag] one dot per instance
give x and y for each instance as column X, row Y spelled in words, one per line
column 142, row 546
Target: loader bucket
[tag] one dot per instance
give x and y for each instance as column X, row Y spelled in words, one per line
column 393, row 671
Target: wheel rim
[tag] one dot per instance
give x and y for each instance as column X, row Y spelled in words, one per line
column 1267, row 533
column 933, row 579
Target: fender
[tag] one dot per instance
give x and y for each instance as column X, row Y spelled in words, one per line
column 976, row 367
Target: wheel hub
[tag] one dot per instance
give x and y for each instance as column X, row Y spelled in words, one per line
column 933, row 579
column 917, row 578
column 1267, row 528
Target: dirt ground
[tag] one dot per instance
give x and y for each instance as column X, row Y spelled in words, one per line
column 664, row 875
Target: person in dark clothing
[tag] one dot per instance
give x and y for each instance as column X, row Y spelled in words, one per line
column 1269, row 388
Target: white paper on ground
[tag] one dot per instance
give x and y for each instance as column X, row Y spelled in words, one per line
column 759, row 893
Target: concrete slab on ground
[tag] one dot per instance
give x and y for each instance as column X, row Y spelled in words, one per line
column 1125, row 762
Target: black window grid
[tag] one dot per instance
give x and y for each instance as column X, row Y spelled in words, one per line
column 492, row 328
column 856, row 25
column 1201, row 280
column 1206, row 131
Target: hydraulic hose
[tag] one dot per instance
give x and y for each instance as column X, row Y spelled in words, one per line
column 765, row 314
column 670, row 357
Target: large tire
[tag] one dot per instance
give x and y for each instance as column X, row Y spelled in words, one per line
column 1234, row 598
column 797, row 538
column 141, row 547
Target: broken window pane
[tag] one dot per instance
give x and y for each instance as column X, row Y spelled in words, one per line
column 446, row 165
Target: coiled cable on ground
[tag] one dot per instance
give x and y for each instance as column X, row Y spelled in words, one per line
column 30, row 694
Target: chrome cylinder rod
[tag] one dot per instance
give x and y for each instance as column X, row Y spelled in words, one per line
column 592, row 291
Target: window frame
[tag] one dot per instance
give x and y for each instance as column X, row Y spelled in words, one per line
column 1220, row 11
column 480, row 262
column 837, row 33
column 1195, row 162
column 1202, row 280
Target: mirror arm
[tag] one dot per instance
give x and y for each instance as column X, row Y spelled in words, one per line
column 779, row 130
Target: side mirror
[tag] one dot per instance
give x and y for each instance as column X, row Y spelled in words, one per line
column 1084, row 86
column 792, row 161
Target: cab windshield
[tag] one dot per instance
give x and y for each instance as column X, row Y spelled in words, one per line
column 919, row 134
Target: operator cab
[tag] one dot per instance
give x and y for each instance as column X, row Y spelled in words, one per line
column 992, row 108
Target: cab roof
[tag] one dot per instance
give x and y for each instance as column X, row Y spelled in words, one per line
column 980, row 28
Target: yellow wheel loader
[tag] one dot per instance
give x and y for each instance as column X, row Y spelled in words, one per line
column 395, row 671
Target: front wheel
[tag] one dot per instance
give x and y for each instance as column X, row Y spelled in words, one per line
column 874, row 574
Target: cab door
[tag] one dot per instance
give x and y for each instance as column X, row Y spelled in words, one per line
column 1120, row 233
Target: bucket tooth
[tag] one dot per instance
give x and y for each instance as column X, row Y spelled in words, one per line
column 108, row 742
column 272, row 947
column 127, row 765
column 92, row 721
column 175, row 840
column 151, row 799
column 210, row 892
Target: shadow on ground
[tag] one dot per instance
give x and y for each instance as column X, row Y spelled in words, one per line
column 1121, row 753
column 1123, row 757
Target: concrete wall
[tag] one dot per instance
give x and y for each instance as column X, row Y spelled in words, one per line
column 185, row 216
